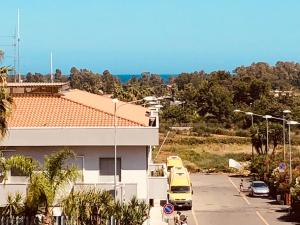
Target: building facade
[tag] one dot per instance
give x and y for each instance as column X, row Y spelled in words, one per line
column 49, row 117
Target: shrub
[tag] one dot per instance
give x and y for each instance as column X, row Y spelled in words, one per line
column 210, row 140
column 242, row 133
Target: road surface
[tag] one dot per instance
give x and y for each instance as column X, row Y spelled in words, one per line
column 216, row 201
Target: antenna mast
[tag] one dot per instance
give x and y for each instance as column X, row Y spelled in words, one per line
column 18, row 46
column 51, row 68
column 15, row 54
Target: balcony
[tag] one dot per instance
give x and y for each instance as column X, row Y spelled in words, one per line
column 125, row 192
column 158, row 178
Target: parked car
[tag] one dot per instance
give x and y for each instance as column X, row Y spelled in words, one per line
column 259, row 188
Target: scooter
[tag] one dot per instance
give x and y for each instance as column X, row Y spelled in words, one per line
column 183, row 220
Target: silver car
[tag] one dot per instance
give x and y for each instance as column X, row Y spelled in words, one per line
column 259, row 188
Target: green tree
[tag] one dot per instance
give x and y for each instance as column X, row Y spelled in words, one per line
column 6, row 100
column 14, row 205
column 90, row 206
column 219, row 102
column 109, row 82
column 133, row 213
column 259, row 137
column 44, row 181
column 84, row 79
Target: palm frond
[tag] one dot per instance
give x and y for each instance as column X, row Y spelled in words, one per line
column 54, row 163
column 23, row 163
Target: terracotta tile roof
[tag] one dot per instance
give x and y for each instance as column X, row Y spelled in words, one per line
column 131, row 112
column 51, row 111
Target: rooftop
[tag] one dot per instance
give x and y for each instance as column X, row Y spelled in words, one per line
column 72, row 108
column 36, row 84
column 51, row 111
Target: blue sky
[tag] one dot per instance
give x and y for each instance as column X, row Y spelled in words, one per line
column 160, row 36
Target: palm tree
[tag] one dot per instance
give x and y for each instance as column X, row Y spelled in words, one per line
column 44, row 181
column 1, row 55
column 5, row 99
column 134, row 212
column 91, row 206
column 14, row 205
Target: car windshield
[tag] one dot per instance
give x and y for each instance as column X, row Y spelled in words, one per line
column 259, row 185
column 180, row 189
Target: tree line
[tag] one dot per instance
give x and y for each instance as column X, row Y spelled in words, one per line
column 205, row 97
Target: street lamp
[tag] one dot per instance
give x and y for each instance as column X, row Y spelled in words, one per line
column 115, row 102
column 283, row 128
column 289, row 123
column 267, row 117
column 248, row 114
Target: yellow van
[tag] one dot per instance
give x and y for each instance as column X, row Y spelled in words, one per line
column 180, row 188
column 173, row 161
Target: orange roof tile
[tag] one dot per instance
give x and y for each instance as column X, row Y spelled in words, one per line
column 55, row 111
column 131, row 112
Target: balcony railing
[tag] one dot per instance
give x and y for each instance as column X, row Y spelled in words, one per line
column 125, row 192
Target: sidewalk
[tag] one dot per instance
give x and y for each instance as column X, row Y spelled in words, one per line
column 156, row 217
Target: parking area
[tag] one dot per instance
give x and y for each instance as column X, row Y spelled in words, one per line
column 217, row 201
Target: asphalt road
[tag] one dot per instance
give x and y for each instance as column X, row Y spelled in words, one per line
column 216, row 201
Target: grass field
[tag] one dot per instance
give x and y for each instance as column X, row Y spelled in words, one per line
column 206, row 153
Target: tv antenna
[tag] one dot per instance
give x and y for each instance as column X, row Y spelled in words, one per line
column 18, row 47
column 51, row 68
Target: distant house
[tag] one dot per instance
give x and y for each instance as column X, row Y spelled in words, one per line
column 277, row 93
column 49, row 116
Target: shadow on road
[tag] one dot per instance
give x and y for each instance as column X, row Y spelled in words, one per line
column 294, row 218
column 238, row 176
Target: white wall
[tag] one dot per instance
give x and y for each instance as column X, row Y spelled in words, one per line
column 133, row 162
column 81, row 136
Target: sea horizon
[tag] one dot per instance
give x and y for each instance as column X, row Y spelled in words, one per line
column 124, row 78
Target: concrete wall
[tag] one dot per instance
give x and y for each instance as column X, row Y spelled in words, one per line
column 161, row 187
column 133, row 163
column 81, row 136
column 160, row 183
column 7, row 189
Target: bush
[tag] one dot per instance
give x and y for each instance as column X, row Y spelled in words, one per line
column 242, row 133
column 210, row 140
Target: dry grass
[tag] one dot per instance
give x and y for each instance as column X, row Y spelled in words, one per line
column 208, row 156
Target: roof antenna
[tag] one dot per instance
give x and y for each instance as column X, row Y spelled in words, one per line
column 51, row 69
column 18, row 47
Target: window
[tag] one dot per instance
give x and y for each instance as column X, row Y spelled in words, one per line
column 107, row 169
column 16, row 172
column 180, row 189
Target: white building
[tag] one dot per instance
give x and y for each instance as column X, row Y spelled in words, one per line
column 48, row 117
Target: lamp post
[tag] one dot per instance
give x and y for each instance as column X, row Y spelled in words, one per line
column 289, row 123
column 115, row 102
column 267, row 117
column 251, row 114
column 283, row 128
